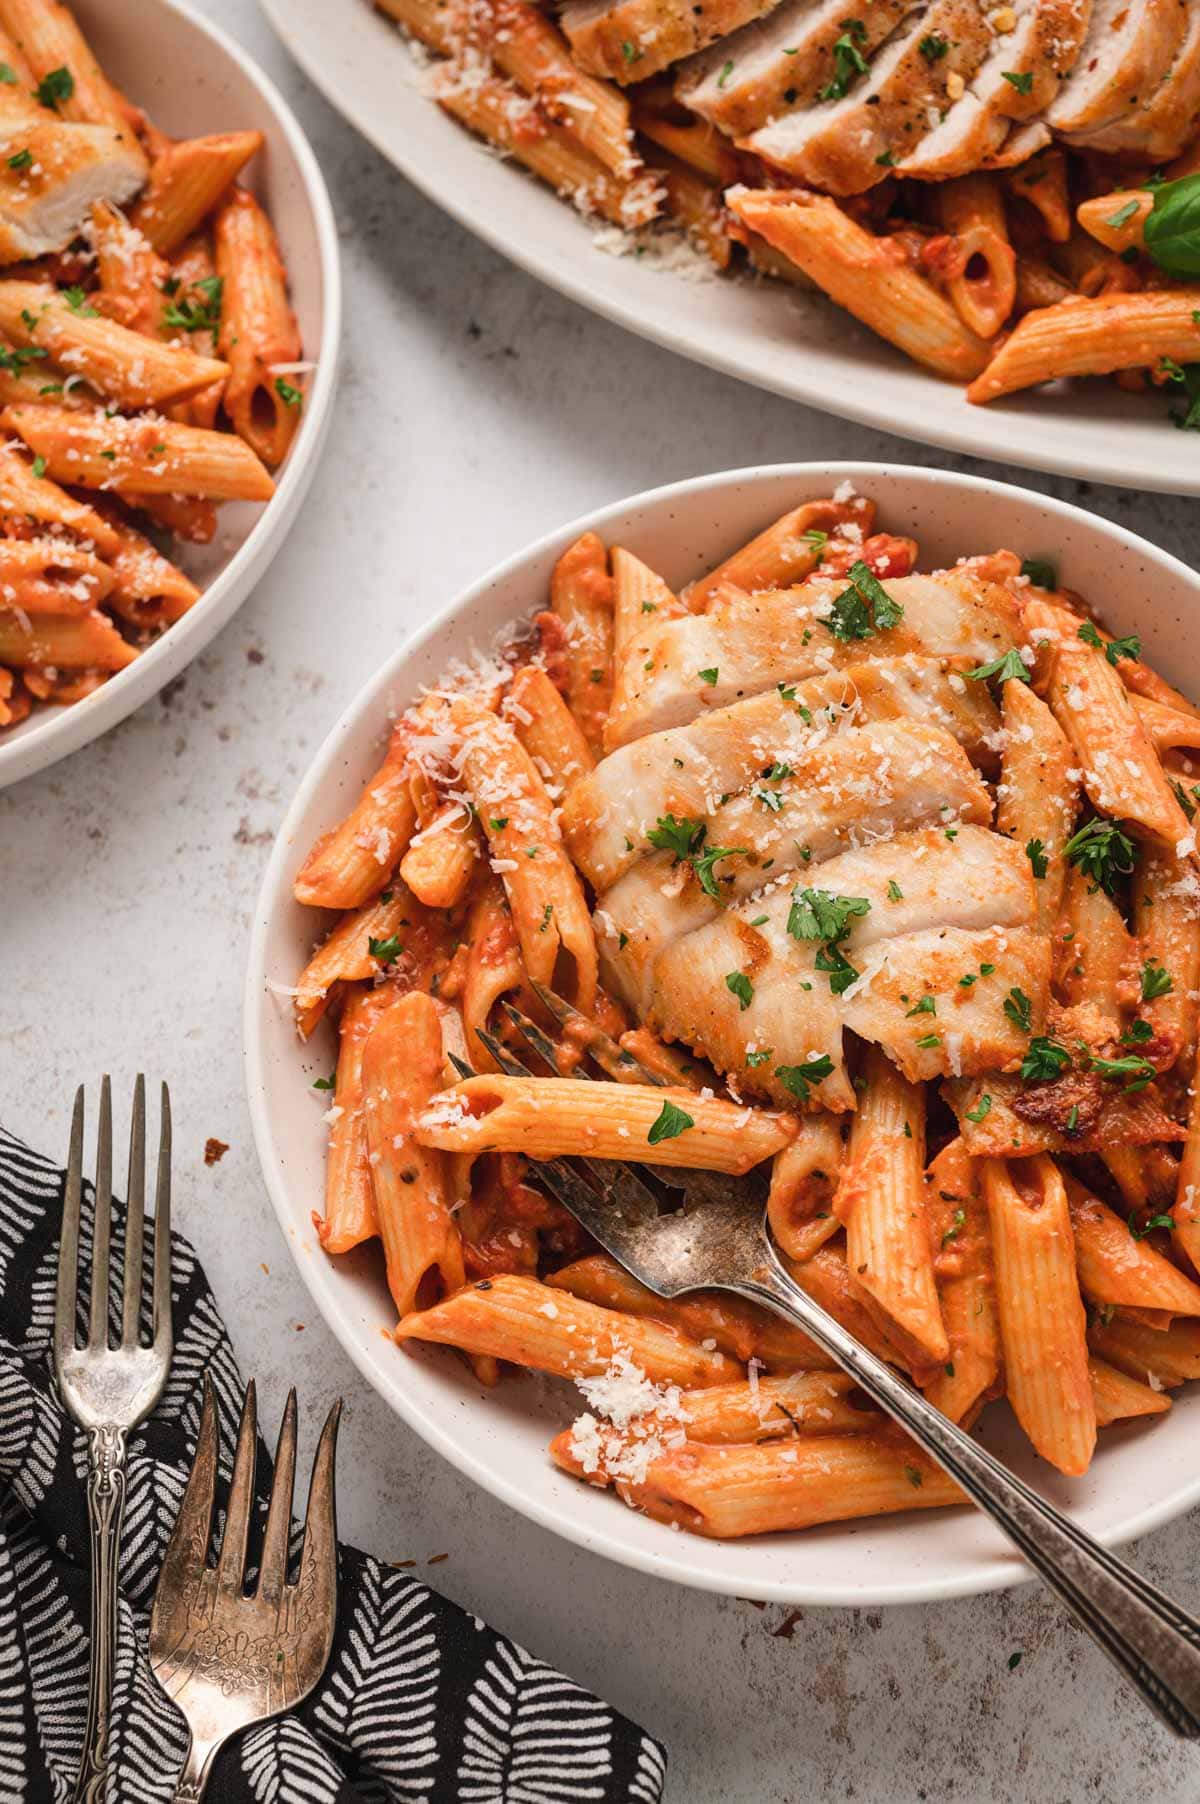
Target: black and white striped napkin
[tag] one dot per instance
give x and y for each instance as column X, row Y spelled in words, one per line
column 421, row 1702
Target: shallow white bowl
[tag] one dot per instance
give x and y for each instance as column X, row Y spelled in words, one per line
column 192, row 80
column 1142, row 1476
column 764, row 332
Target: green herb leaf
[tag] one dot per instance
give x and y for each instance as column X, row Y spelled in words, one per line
column 817, row 914
column 1137, row 1033
column 326, row 1083
column 933, row 47
column 1019, row 1010
column 58, row 85
column 799, row 1078
column 865, row 608
column 709, row 676
column 291, row 397
column 1035, row 851
column 837, row 966
column 981, row 1110
column 8, row 75
column 681, row 838
column 39, row 466
column 894, row 892
column 670, row 1122
column 1156, row 981
column 385, row 951
column 1155, row 1221
column 740, row 986
column 200, row 309
column 754, row 1059
column 1022, row 82
column 1172, row 228
column 1003, row 669
column 1133, row 1066
column 848, row 61
column 21, row 159
column 926, row 1006
column 726, row 72
column 1102, row 852
column 76, row 300
column 704, row 864
column 1124, row 214
column 1044, row 1059
column 1040, row 571
column 957, row 1224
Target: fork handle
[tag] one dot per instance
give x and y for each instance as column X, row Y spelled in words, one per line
column 1154, row 1643
column 106, row 1507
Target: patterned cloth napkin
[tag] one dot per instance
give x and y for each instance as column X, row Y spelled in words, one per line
column 421, row 1702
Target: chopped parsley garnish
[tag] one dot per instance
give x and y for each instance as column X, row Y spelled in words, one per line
column 1014, row 1660
column 670, row 1122
column 778, row 772
column 630, row 51
column 325, row 1083
column 926, row 1006
column 934, row 47
column 957, row 1223
column 291, row 397
column 837, row 967
column 1072, row 1121
column 1035, row 851
column 704, row 867
column 8, row 75
column 914, row 1477
column 1137, row 1033
column 1115, row 649
column 726, row 72
column 1138, row 1070
column 982, row 1109
column 1003, row 669
column 498, row 822
column 681, row 838
column 865, row 608
column 58, row 85
column 76, row 300
column 754, row 1059
column 1102, row 852
column 927, row 1042
column 385, row 951
column 1040, row 572
column 199, row 311
column 894, row 892
column 1044, row 1059
column 818, row 539
column 799, row 1078
column 1155, row 1221
column 1022, row 81
column 709, row 676
column 1156, row 981
column 816, row 914
column 39, row 466
column 1123, row 215
column 848, row 61
column 1019, row 1010
column 760, row 920
column 739, row 985
column 16, row 357
column 21, row 159
column 622, row 941
column 771, row 799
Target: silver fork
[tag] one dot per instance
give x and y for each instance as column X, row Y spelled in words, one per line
column 107, row 1389
column 721, row 1242
column 229, row 1658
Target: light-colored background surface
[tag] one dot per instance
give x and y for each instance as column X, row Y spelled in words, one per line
column 477, row 410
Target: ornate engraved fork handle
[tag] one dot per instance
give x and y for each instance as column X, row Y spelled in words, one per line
column 1153, row 1642
column 106, row 1507
column 193, row 1780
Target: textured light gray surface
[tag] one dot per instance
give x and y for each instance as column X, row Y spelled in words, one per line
column 478, row 410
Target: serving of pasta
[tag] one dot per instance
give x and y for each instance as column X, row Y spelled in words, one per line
column 1010, row 194
column 150, row 362
column 889, row 879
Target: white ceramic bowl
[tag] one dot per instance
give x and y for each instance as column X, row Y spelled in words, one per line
column 1143, row 1475
column 193, row 80
column 764, row 332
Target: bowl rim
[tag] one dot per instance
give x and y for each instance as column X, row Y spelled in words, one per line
column 66, row 730
column 317, row 1275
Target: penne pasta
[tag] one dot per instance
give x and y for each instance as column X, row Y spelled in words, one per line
column 353, row 861
column 966, row 1285
column 401, row 1071
column 1117, row 1396
column 786, row 552
column 1160, row 1358
column 126, row 366
column 350, row 1215
column 1042, row 1323
column 1114, row 1267
column 1092, row 337
column 1038, row 794
column 548, row 730
column 803, row 1176
column 581, row 595
column 258, row 330
column 187, row 180
column 982, row 279
column 140, row 457
column 442, row 858
column 494, row 965
column 1168, row 945
column 62, row 642
column 637, row 592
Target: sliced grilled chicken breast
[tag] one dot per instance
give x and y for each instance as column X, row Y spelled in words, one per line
column 934, row 910
column 51, row 172
column 748, row 643
column 1166, row 120
column 685, row 772
column 861, row 786
column 782, row 61
column 629, row 40
column 1127, row 53
column 1017, row 80
column 846, row 146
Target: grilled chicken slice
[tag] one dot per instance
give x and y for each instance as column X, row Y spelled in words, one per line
column 629, row 40
column 782, row 61
column 1017, row 80
column 1128, row 52
column 846, row 146
column 935, row 911
column 1165, row 122
column 748, row 643
column 686, row 771
column 51, row 172
column 862, row 785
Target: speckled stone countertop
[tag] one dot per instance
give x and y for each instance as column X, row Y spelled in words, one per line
column 477, row 410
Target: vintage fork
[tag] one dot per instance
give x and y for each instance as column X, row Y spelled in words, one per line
column 717, row 1238
column 107, row 1389
column 226, row 1657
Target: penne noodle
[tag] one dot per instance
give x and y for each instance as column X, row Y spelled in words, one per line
column 186, row 517
column 126, row 366
column 1095, row 954
column 187, row 180
column 581, row 595
column 1116, row 220
column 48, row 39
column 353, row 861
column 130, row 272
column 694, row 203
column 401, row 1071
column 147, row 589
column 1038, row 794
column 1042, row 1323
column 880, row 1199
column 1038, row 285
column 1092, row 336
column 493, row 965
column 803, row 1176
column 697, row 145
column 731, row 1491
column 774, row 1409
column 350, row 1216
column 146, row 456
column 345, row 956
column 637, row 592
column 1168, row 728
column 784, row 553
column 1161, row 1359
column 863, row 274
column 51, row 576
column 62, row 642
column 549, row 911
column 548, row 730
column 738, row 1328
column 548, row 1118
column 258, row 328
column 1186, row 1209
column 1117, row 1396
column 442, row 859
column 1042, row 182
column 966, row 1284
column 198, row 297
column 1114, row 1267
column 825, row 1276
column 982, row 280
column 522, row 1320
column 1168, row 933
column 530, row 49
column 15, row 700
